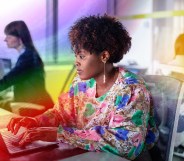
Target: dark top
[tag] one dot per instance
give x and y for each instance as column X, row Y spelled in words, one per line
column 28, row 79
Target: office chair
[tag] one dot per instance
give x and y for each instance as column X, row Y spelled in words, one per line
column 167, row 94
column 69, row 79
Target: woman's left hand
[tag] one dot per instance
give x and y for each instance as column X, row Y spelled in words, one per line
column 41, row 133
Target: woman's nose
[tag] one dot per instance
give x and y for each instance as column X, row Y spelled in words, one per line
column 77, row 63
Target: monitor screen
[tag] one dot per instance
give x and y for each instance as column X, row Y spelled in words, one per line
column 5, row 66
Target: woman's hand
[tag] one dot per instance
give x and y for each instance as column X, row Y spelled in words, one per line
column 17, row 122
column 41, row 133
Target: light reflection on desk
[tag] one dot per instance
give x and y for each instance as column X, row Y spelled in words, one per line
column 5, row 117
column 4, row 112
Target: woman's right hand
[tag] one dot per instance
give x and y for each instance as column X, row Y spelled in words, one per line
column 17, row 122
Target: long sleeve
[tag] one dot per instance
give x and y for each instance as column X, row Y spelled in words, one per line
column 12, row 77
column 123, row 131
column 61, row 113
column 23, row 69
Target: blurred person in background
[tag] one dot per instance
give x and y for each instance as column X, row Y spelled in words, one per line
column 179, row 52
column 27, row 76
column 175, row 67
column 178, row 61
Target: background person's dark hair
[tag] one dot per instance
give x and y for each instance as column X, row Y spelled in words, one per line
column 20, row 30
column 100, row 33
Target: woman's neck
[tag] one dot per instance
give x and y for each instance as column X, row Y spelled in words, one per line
column 20, row 48
column 102, row 87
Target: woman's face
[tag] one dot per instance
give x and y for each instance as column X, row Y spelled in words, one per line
column 12, row 41
column 88, row 65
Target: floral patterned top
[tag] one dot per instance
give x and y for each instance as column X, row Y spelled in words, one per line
column 120, row 121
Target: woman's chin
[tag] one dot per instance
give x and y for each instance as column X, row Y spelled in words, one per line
column 83, row 78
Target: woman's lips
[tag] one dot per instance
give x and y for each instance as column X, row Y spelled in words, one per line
column 79, row 71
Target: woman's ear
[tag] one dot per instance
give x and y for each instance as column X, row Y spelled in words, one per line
column 105, row 56
column 20, row 41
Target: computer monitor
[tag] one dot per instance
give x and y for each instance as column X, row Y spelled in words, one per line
column 5, row 66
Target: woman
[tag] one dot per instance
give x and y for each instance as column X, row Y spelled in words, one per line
column 106, row 108
column 27, row 77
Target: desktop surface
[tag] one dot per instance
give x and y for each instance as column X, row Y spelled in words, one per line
column 47, row 154
column 95, row 156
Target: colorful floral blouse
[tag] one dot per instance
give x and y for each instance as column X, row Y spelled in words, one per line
column 120, row 121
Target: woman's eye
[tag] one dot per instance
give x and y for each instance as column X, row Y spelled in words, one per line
column 82, row 57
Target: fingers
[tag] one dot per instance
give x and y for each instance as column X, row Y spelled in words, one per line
column 16, row 128
column 25, row 139
column 33, row 134
column 18, row 139
column 9, row 126
column 16, row 123
column 32, row 123
column 28, row 137
column 22, row 122
column 12, row 124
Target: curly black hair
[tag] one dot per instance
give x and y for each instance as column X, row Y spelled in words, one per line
column 100, row 33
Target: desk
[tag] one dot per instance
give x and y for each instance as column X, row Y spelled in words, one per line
column 48, row 154
column 95, row 156
column 5, row 117
column 62, row 152
column 4, row 112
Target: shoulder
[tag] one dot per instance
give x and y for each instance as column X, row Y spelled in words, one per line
column 27, row 55
column 31, row 55
column 132, row 83
column 29, row 59
column 130, row 78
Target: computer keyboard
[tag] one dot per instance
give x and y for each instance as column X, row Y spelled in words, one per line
column 11, row 143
